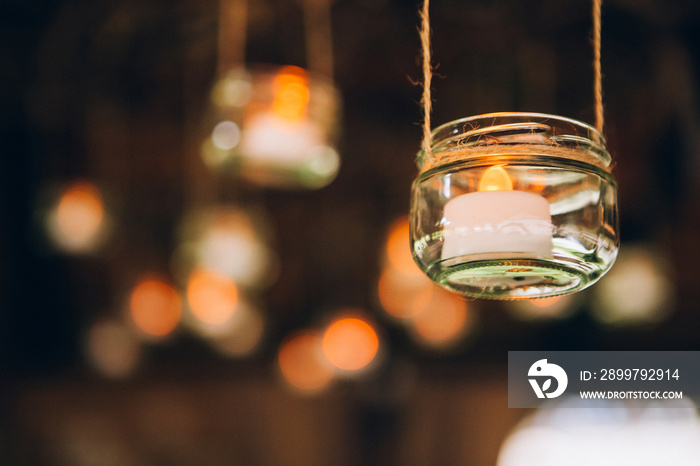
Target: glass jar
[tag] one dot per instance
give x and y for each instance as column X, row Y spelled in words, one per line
column 515, row 206
column 275, row 126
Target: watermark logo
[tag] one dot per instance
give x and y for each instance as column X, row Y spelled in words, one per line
column 541, row 369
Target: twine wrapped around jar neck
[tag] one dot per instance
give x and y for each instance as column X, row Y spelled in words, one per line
column 499, row 150
column 591, row 151
column 515, row 134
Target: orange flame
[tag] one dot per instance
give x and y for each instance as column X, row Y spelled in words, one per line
column 291, row 94
column 495, row 179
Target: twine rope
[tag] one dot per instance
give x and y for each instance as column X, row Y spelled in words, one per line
column 432, row 159
column 427, row 79
column 598, row 78
column 233, row 19
column 319, row 45
column 584, row 154
column 233, row 22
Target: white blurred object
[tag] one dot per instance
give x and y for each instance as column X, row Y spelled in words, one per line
column 621, row 434
column 226, row 240
column 637, row 290
column 270, row 138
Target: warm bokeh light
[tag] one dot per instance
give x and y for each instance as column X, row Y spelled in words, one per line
column 226, row 135
column 112, row 348
column 212, row 155
column 555, row 307
column 443, row 321
column 212, row 297
column 398, row 249
column 350, row 343
column 568, row 433
column 227, row 240
column 291, row 93
column 78, row 218
column 637, row 291
column 537, row 183
column 155, row 307
column 242, row 337
column 403, row 296
column 233, row 247
column 234, row 90
column 495, row 179
column 274, row 126
column 324, row 161
column 545, row 303
column 302, row 364
column 402, row 284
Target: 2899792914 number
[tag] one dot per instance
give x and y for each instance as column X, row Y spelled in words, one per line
column 639, row 374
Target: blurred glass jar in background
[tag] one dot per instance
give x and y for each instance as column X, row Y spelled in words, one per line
column 274, row 126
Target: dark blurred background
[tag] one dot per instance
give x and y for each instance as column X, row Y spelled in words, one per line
column 114, row 92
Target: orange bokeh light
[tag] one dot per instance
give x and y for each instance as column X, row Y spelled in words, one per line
column 291, row 93
column 403, row 297
column 398, row 249
column 443, row 321
column 213, row 297
column 545, row 302
column 553, row 307
column 350, row 343
column 302, row 364
column 78, row 216
column 112, row 348
column 538, row 183
column 155, row 307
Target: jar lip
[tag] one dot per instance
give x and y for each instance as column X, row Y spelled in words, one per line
column 475, row 134
column 530, row 116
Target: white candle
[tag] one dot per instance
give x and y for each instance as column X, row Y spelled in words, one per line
column 497, row 221
column 283, row 134
column 270, row 138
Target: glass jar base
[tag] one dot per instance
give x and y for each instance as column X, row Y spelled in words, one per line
column 511, row 279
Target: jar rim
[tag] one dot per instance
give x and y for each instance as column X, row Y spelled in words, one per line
column 529, row 131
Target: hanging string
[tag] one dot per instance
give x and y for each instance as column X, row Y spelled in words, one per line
column 427, row 78
column 233, row 19
column 598, row 78
column 465, row 153
column 319, row 45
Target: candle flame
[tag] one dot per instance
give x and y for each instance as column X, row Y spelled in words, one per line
column 291, row 94
column 495, row 179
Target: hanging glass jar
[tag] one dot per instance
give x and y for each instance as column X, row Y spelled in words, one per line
column 275, row 126
column 515, row 206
